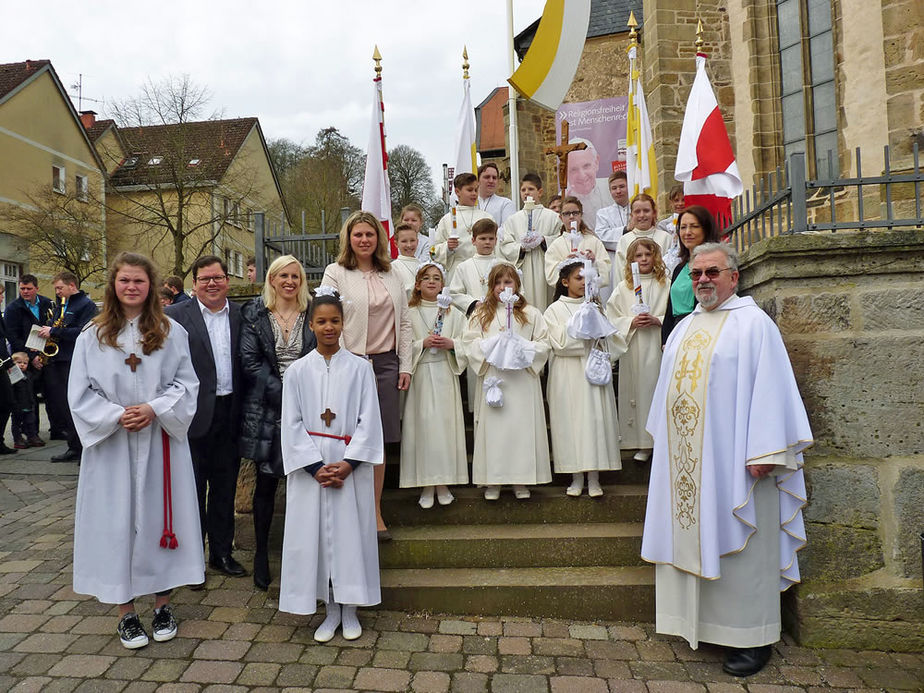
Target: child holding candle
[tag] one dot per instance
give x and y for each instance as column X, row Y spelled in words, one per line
column 636, row 308
column 576, row 239
column 585, row 427
column 433, row 439
column 506, row 344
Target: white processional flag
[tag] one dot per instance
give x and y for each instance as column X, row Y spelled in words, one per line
column 465, row 161
column 641, row 169
column 376, row 186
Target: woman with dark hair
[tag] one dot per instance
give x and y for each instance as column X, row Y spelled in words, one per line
column 695, row 226
column 274, row 333
column 375, row 323
column 132, row 392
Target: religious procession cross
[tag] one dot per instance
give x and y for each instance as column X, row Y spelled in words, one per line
column 562, row 151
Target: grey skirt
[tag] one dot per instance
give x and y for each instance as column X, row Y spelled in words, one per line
column 385, row 366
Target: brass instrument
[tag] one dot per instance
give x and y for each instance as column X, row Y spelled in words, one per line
column 51, row 347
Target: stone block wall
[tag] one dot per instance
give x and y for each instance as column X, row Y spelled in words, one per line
column 903, row 45
column 850, row 307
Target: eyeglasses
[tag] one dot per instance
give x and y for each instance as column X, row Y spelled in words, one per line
column 710, row 272
column 571, row 214
column 218, row 279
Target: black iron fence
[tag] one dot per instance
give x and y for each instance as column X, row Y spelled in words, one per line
column 785, row 201
column 314, row 250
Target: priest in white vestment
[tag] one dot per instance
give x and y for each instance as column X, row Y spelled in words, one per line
column 500, row 208
column 330, row 418
column 724, row 518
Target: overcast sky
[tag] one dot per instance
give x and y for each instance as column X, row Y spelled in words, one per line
column 299, row 66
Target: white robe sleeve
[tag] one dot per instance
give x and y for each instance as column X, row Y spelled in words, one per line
column 540, row 339
column 95, row 417
column 176, row 406
column 559, row 341
column 367, row 443
column 298, row 449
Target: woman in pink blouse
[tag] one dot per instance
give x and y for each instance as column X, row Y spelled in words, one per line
column 375, row 322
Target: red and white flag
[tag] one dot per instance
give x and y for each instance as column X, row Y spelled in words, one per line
column 705, row 160
column 376, row 187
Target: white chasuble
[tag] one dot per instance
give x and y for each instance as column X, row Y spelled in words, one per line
column 119, row 519
column 433, row 434
column 640, row 365
column 330, row 539
column 511, row 442
column 585, row 426
column 726, row 398
column 560, row 248
column 531, row 261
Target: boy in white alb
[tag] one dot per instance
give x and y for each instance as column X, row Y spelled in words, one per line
column 470, row 282
column 406, row 263
column 452, row 241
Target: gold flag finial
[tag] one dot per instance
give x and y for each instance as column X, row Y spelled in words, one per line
column 699, row 36
column 465, row 64
column 377, row 57
column 633, row 29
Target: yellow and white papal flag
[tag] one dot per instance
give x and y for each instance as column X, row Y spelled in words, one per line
column 552, row 59
column 465, row 156
column 641, row 169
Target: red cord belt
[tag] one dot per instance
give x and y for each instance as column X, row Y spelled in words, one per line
column 345, row 439
column 168, row 538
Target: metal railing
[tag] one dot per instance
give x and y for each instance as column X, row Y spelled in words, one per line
column 785, row 201
column 314, row 250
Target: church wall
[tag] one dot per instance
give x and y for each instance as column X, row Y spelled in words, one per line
column 851, row 312
column 903, row 47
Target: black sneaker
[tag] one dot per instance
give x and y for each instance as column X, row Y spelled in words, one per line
column 131, row 632
column 164, row 625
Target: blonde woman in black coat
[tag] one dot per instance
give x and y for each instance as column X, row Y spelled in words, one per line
column 274, row 334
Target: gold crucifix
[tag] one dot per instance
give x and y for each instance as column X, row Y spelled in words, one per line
column 132, row 361
column 562, row 151
column 328, row 416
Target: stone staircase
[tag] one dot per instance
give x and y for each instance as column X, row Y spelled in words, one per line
column 550, row 555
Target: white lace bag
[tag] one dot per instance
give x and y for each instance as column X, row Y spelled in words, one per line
column 598, row 370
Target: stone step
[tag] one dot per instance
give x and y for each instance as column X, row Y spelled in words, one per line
column 514, row 545
column 548, row 505
column 579, row 593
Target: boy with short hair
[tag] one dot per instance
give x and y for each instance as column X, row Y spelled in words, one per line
column 469, row 283
column 555, row 203
column 452, row 242
column 533, row 228
column 406, row 263
column 25, row 418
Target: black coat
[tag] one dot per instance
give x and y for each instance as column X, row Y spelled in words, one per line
column 80, row 310
column 19, row 320
column 189, row 315
column 262, row 406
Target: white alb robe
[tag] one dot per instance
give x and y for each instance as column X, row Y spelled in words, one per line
column 560, row 248
column 500, row 208
column 585, row 425
column 423, row 247
column 532, row 262
column 330, row 539
column 725, row 543
column 611, row 225
column 662, row 238
column 433, row 437
column 465, row 219
column 470, row 281
column 119, row 519
column 511, row 444
column 640, row 365
column 406, row 269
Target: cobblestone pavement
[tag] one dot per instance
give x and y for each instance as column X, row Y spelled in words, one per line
column 233, row 638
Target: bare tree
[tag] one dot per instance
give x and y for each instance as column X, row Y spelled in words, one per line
column 176, row 186
column 410, row 177
column 65, row 231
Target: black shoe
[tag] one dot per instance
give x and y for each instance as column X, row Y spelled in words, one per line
column 261, row 573
column 198, row 587
column 131, row 632
column 227, row 565
column 747, row 661
column 68, row 455
column 4, row 450
column 163, row 627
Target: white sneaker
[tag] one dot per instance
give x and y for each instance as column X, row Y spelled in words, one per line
column 426, row 498
column 520, row 491
column 491, row 493
column 352, row 629
column 327, row 629
column 444, row 495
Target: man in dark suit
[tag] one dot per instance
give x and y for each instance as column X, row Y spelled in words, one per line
column 29, row 309
column 214, row 327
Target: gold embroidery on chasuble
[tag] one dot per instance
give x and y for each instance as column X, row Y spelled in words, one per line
column 686, row 411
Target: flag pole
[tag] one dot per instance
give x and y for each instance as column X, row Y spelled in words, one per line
column 632, row 121
column 513, row 138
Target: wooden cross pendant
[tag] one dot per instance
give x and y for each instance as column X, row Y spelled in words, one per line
column 328, row 416
column 132, row 361
column 562, row 151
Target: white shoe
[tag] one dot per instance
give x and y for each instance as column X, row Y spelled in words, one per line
column 327, row 630
column 426, row 498
column 642, row 456
column 491, row 493
column 577, row 485
column 520, row 491
column 444, row 495
column 594, row 490
column 352, row 630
